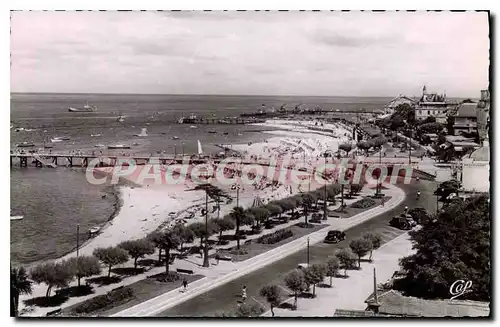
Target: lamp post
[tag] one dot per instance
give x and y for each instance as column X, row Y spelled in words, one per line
column 77, row 239
column 205, row 252
column 308, row 252
column 409, row 153
column 324, row 200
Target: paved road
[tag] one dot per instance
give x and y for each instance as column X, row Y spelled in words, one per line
column 225, row 297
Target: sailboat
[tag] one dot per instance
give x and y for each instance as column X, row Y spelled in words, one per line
column 200, row 151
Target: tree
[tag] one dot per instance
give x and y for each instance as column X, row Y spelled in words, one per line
column 237, row 215
column 360, row 247
column 19, row 284
column 296, row 282
column 420, row 215
column 185, row 234
column 169, row 240
column 137, row 248
column 332, row 267
column 260, row 214
column 155, row 238
column 454, row 246
column 346, row 258
column 286, row 204
column 111, row 256
column 274, row 209
column 315, row 274
column 307, row 200
column 375, row 239
column 364, row 145
column 224, row 224
column 272, row 295
column 345, row 147
column 83, row 266
column 52, row 274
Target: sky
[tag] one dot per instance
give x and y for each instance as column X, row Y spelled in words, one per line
column 250, row 53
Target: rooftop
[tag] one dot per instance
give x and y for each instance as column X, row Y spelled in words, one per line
column 467, row 110
column 394, row 303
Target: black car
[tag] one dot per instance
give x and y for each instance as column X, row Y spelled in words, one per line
column 334, row 236
column 404, row 222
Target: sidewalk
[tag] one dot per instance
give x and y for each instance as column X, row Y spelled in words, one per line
column 228, row 271
column 350, row 293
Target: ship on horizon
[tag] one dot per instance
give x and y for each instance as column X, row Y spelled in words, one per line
column 86, row 108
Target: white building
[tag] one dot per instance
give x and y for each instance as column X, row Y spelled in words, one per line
column 476, row 166
column 434, row 105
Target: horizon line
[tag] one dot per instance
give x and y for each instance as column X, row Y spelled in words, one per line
column 212, row 94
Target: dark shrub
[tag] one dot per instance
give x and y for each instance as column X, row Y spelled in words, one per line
column 364, row 203
column 241, row 251
column 276, row 236
column 100, row 302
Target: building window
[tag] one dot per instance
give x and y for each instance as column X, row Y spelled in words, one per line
column 428, row 112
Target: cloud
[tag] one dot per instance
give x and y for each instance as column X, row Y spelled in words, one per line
column 296, row 53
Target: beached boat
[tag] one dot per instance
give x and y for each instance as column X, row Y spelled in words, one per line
column 26, row 145
column 119, row 146
column 193, row 126
column 16, row 217
column 55, row 140
column 175, row 137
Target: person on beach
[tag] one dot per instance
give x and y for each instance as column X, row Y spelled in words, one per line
column 185, row 284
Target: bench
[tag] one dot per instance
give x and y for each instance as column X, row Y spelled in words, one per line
column 185, row 271
column 223, row 258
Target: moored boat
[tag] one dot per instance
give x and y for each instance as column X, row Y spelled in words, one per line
column 16, row 217
column 25, row 145
column 119, row 146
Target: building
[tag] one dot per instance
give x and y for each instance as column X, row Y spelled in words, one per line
column 465, row 121
column 399, row 100
column 434, row 105
column 475, row 172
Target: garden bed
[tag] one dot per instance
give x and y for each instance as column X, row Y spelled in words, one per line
column 142, row 290
column 251, row 250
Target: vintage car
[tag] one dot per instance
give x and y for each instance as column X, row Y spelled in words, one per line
column 404, row 222
column 334, row 236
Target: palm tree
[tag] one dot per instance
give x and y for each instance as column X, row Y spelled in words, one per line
column 237, row 215
column 19, row 284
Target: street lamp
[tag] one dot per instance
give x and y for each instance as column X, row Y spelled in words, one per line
column 308, row 252
column 206, row 263
column 77, row 239
column 324, row 200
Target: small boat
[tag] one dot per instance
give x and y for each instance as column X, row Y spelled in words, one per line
column 26, row 145
column 193, row 126
column 225, row 133
column 143, row 133
column 48, row 146
column 119, row 146
column 239, row 134
column 16, row 217
column 55, row 140
column 99, row 146
column 135, row 143
column 95, row 135
column 62, row 138
column 120, row 119
column 19, row 129
column 86, row 108
column 212, row 131
column 175, row 137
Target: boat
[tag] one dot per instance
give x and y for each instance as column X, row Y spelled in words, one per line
column 188, row 120
column 135, row 143
column 225, row 133
column 200, row 151
column 16, row 217
column 121, row 119
column 48, row 146
column 62, row 138
column 192, row 126
column 26, row 145
column 212, row 131
column 143, row 133
column 19, row 129
column 99, row 146
column 55, row 140
column 86, row 108
column 119, row 146
column 175, row 137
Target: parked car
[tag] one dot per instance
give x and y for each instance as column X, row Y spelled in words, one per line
column 404, row 222
column 334, row 236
